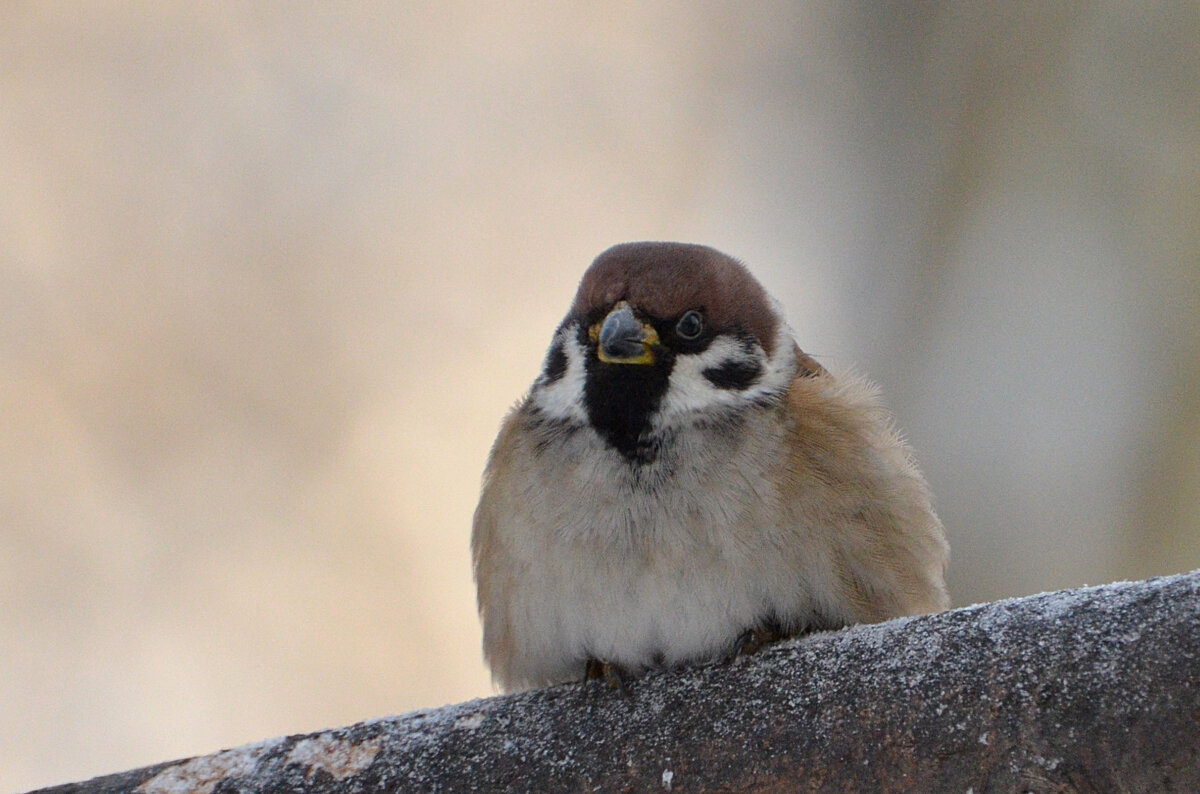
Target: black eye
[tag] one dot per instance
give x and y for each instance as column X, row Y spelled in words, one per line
column 690, row 325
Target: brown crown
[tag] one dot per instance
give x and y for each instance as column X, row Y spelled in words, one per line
column 663, row 280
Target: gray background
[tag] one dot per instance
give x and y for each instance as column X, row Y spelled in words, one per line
column 270, row 276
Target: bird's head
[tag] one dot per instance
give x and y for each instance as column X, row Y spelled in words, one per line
column 663, row 336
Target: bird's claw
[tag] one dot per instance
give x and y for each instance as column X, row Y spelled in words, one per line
column 612, row 674
column 754, row 640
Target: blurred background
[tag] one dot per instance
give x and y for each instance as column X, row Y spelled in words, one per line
column 271, row 275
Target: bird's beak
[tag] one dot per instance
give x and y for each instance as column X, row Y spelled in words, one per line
column 622, row 339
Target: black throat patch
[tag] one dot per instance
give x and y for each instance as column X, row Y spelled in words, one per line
column 620, row 399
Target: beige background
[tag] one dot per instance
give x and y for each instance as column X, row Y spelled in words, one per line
column 270, row 275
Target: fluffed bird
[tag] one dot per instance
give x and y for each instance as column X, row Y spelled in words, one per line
column 682, row 484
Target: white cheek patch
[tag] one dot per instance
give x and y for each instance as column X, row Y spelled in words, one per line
column 690, row 392
column 563, row 398
column 781, row 367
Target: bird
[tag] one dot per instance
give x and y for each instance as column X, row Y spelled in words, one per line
column 682, row 485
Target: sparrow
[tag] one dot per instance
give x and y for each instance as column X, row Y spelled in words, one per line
column 682, row 484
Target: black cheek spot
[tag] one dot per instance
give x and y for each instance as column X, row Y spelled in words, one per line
column 736, row 375
column 556, row 362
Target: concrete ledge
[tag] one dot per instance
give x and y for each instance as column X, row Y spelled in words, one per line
column 1095, row 690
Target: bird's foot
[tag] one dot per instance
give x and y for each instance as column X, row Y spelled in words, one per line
column 755, row 640
column 613, row 674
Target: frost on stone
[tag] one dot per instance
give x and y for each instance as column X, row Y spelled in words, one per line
column 470, row 722
column 201, row 775
column 339, row 757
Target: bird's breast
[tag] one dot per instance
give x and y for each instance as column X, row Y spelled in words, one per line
column 696, row 490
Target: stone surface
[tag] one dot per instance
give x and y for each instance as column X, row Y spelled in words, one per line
column 1096, row 689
